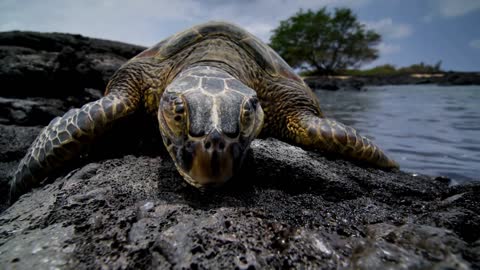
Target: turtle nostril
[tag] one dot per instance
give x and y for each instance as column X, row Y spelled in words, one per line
column 207, row 145
column 214, row 140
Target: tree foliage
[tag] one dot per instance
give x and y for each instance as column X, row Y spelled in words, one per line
column 422, row 68
column 325, row 42
column 388, row 69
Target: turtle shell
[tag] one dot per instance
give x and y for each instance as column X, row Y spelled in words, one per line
column 265, row 56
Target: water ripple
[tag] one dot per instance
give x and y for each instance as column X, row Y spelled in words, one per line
column 428, row 129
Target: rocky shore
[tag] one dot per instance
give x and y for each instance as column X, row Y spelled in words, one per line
column 334, row 83
column 124, row 206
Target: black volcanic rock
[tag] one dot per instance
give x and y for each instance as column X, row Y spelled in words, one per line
column 464, row 78
column 42, row 76
column 289, row 208
column 57, row 65
column 125, row 206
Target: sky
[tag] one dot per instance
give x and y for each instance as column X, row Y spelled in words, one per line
column 412, row 31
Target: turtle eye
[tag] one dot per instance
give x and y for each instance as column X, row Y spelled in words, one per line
column 232, row 135
column 248, row 116
column 199, row 133
column 174, row 114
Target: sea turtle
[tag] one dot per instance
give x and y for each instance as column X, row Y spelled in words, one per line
column 213, row 88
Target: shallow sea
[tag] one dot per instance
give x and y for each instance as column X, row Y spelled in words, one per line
column 428, row 129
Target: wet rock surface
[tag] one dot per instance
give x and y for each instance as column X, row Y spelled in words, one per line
column 288, row 208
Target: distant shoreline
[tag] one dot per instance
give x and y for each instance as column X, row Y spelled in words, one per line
column 358, row 82
column 22, row 48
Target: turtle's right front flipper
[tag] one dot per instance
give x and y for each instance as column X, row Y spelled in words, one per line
column 334, row 138
column 65, row 138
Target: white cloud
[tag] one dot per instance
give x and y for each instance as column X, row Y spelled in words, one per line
column 450, row 8
column 261, row 30
column 454, row 8
column 146, row 22
column 388, row 29
column 385, row 48
column 132, row 21
column 475, row 43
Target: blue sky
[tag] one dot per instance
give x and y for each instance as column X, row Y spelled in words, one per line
column 412, row 30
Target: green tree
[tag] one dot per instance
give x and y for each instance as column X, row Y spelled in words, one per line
column 325, row 42
column 422, row 68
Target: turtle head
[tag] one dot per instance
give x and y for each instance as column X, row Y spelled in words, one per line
column 207, row 120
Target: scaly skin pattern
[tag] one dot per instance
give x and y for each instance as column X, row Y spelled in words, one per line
column 303, row 124
column 66, row 137
column 291, row 109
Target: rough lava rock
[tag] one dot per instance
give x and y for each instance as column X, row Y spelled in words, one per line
column 58, row 65
column 288, row 208
column 43, row 75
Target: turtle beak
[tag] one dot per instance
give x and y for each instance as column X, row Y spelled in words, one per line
column 214, row 160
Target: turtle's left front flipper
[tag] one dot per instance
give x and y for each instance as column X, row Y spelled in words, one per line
column 335, row 138
column 65, row 138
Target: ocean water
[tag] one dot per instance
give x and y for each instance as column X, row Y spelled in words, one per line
column 427, row 129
